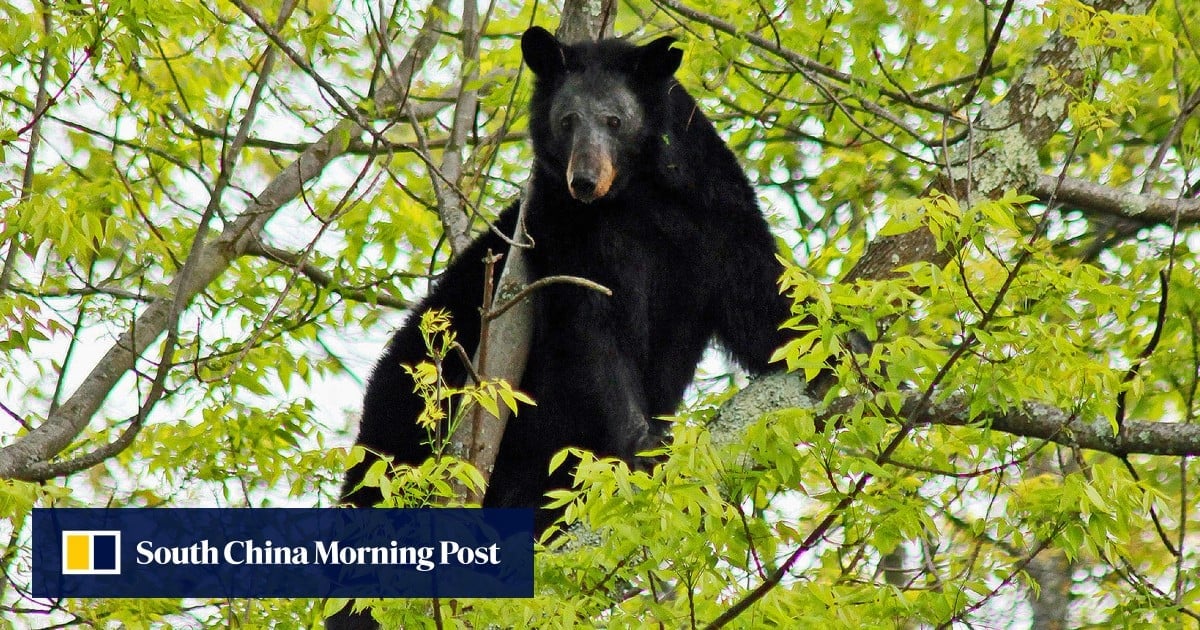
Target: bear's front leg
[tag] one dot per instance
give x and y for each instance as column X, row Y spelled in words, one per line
column 588, row 396
column 629, row 431
column 589, row 390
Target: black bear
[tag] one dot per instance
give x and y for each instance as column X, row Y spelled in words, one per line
column 632, row 189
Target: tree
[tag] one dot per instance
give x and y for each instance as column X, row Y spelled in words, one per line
column 1001, row 198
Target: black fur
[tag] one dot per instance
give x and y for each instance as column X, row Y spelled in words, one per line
column 678, row 237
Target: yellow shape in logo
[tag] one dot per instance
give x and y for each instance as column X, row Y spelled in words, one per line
column 79, row 556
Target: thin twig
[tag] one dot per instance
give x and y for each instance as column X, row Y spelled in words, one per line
column 324, row 279
column 528, row 290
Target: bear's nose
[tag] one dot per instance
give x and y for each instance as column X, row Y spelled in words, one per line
column 583, row 188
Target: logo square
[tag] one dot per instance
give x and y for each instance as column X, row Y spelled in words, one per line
column 90, row 552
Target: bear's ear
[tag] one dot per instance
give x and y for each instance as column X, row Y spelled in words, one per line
column 542, row 52
column 657, row 60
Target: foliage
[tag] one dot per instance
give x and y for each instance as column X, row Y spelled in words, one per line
column 133, row 135
column 437, row 480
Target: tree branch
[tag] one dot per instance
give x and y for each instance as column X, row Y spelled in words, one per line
column 501, row 308
column 322, row 278
column 1092, row 198
column 1035, row 420
column 1046, row 422
column 799, row 62
column 447, row 184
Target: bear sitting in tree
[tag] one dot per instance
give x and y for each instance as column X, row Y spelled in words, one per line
column 633, row 189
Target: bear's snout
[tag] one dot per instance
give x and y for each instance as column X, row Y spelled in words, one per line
column 590, row 175
column 583, row 189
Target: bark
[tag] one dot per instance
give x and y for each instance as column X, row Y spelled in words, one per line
column 1093, row 198
column 586, row 20
column 1051, row 571
column 448, row 180
column 1035, row 420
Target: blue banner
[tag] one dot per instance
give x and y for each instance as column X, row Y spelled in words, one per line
column 273, row 552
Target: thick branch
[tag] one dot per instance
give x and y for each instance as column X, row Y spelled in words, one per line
column 41, row 106
column 1092, row 198
column 586, row 21
column 508, row 336
column 1046, row 422
column 1042, row 421
column 1035, row 420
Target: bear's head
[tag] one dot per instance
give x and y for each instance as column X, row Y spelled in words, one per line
column 597, row 109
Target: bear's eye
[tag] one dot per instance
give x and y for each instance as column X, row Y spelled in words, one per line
column 614, row 123
column 567, row 122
